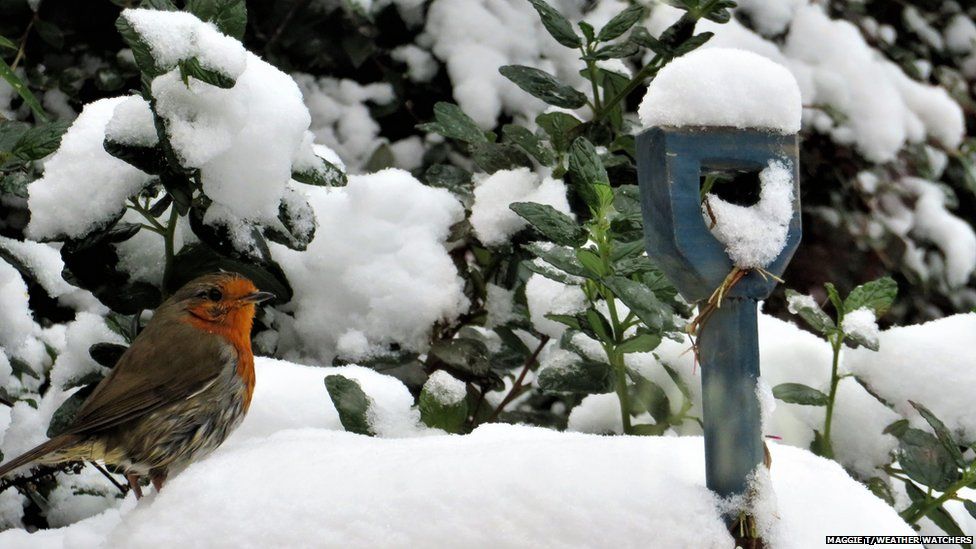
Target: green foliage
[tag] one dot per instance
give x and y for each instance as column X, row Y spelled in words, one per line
column 434, row 412
column 351, row 403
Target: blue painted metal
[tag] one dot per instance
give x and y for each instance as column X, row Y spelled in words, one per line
column 670, row 162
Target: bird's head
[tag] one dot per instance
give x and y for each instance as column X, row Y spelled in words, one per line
column 220, row 302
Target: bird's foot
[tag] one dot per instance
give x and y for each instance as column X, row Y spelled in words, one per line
column 157, row 481
column 134, row 484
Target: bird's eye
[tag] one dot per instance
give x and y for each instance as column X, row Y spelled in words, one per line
column 214, row 294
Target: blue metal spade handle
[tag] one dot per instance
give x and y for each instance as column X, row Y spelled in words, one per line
column 669, row 167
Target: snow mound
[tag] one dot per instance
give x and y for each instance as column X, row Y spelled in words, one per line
column 911, row 357
column 493, row 221
column 378, row 266
column 501, row 486
column 723, row 87
column 83, row 186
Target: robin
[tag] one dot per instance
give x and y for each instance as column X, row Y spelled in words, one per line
column 175, row 395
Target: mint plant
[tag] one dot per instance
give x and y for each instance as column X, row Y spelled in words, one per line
column 876, row 297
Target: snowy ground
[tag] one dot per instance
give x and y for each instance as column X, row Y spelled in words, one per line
column 291, row 478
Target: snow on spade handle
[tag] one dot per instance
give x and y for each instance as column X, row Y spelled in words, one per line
column 725, row 111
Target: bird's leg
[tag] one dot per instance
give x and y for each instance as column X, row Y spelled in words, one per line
column 158, row 478
column 134, row 484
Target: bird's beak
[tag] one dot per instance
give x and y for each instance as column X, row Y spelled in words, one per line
column 258, row 297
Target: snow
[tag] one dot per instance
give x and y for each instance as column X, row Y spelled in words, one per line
column 132, row 123
column 15, row 315
column 421, row 66
column 596, row 414
column 445, row 388
column 545, row 296
column 796, row 302
column 83, row 186
column 43, row 261
column 723, row 87
column 493, row 221
column 911, row 357
column 861, row 323
column 174, row 36
column 475, row 37
column 74, row 362
column 770, row 17
column 960, row 34
column 755, row 235
column 341, row 117
column 932, row 222
column 509, row 487
column 242, row 139
column 378, row 265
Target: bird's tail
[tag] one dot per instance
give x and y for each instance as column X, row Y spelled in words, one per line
column 38, row 452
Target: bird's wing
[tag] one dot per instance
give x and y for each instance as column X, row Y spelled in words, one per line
column 168, row 362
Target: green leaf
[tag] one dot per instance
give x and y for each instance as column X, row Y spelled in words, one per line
column 18, row 85
column 107, row 354
column 814, row 316
column 941, row 432
column 465, row 358
column 562, row 258
column 151, row 160
column 437, row 413
column 649, row 430
column 970, row 507
column 797, row 393
column 6, row 43
column 647, row 396
column 693, row 43
column 857, row 339
column 881, row 489
column 944, row 520
column 556, row 24
column 621, row 22
column 679, row 31
column 592, row 263
column 642, row 301
column 491, row 157
column 552, row 223
column 40, row 141
column 64, row 416
column 877, row 295
column 819, row 445
column 925, row 460
column 544, row 86
column 560, row 127
column 161, row 5
column 191, row 67
column 678, row 381
column 568, row 320
column 584, row 377
column 834, row 298
column 589, row 33
column 585, row 163
column 616, row 51
column 529, row 143
column 326, row 174
column 140, row 50
column 641, row 37
column 297, row 219
column 452, row 178
column 230, row 16
column 351, row 403
column 896, row 428
column 450, row 121
column 599, row 325
column 641, row 343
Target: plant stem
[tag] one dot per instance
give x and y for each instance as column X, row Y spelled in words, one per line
column 591, row 66
column 637, row 80
column 835, row 343
column 913, row 514
column 620, row 385
column 518, row 382
column 168, row 239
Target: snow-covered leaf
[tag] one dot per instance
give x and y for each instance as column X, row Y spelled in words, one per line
column 941, row 432
column 443, row 403
column 808, row 310
column 191, row 68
